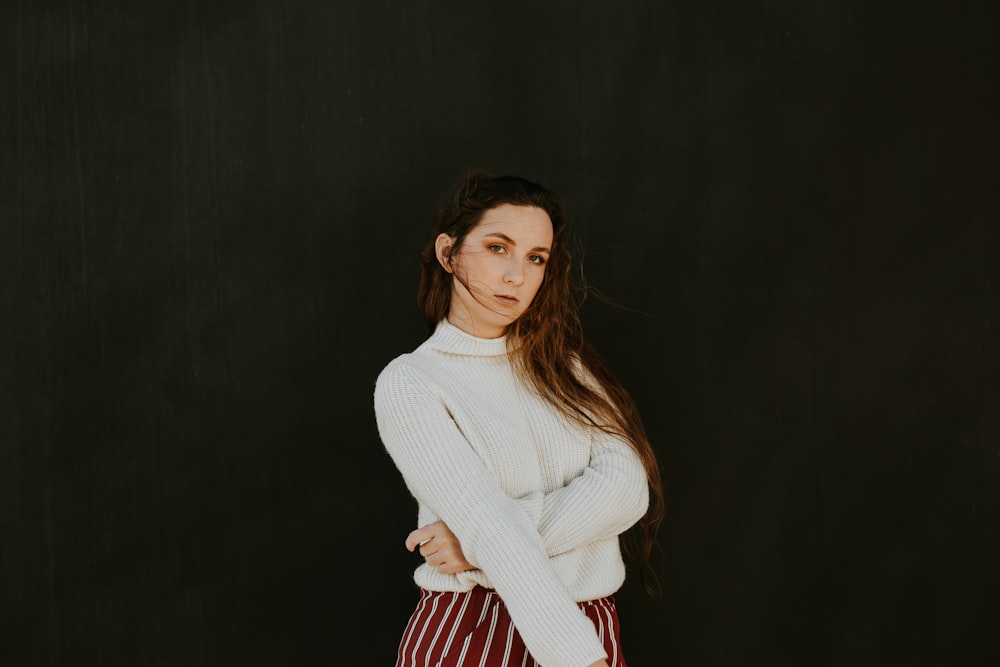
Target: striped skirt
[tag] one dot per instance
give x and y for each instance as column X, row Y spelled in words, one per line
column 474, row 629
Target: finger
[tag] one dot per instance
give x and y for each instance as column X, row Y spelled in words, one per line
column 419, row 536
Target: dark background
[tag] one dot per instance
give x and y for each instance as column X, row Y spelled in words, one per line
column 210, row 219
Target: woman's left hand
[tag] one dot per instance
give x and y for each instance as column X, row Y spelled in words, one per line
column 439, row 547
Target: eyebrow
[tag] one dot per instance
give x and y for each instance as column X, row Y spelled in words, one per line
column 511, row 241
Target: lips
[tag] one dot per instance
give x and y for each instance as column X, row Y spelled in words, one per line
column 507, row 299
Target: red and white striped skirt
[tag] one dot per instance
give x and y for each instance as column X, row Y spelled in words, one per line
column 474, row 628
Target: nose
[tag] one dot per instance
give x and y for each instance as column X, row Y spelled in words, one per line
column 514, row 274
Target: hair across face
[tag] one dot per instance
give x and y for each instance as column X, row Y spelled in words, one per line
column 481, row 197
column 497, row 269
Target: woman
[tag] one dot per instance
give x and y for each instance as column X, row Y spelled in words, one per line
column 526, row 456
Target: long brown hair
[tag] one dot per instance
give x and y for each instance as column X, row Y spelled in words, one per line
column 546, row 342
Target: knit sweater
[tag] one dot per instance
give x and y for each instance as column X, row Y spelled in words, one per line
column 536, row 499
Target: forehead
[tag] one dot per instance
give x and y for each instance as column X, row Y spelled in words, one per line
column 525, row 225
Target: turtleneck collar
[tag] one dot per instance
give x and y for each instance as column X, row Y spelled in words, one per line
column 449, row 338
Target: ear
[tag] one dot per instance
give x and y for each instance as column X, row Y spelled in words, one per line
column 443, row 245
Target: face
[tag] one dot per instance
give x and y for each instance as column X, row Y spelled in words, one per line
column 498, row 269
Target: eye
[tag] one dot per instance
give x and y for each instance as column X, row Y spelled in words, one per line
column 536, row 259
column 498, row 248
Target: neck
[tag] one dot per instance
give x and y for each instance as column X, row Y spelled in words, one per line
column 459, row 318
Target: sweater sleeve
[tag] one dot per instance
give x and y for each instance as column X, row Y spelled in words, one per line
column 442, row 471
column 604, row 501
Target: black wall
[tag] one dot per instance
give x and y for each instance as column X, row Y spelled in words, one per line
column 209, row 226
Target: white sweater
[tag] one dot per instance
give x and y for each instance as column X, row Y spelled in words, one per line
column 537, row 500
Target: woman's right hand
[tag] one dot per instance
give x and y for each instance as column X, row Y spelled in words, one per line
column 440, row 548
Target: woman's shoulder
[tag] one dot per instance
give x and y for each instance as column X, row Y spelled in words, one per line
column 397, row 367
column 407, row 369
column 409, row 380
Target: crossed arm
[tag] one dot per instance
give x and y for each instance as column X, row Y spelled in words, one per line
column 603, row 501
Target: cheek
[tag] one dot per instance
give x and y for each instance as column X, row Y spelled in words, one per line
column 537, row 285
column 471, row 266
